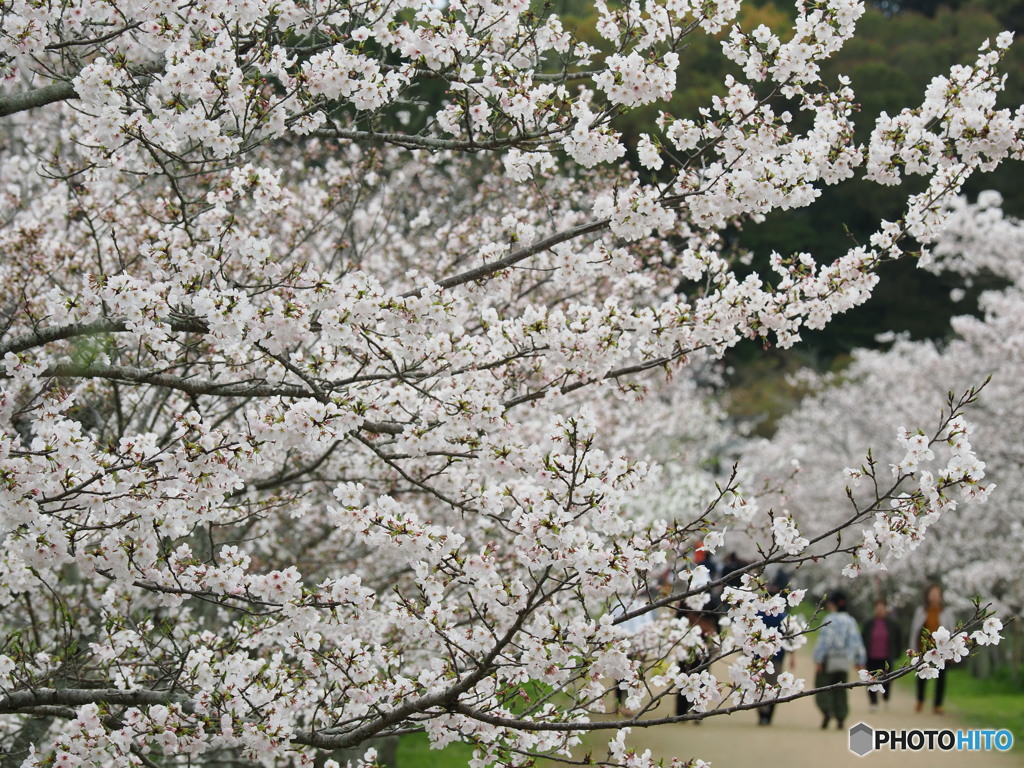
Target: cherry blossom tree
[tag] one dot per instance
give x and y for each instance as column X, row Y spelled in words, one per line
column 353, row 384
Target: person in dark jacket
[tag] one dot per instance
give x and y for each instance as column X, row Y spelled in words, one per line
column 882, row 643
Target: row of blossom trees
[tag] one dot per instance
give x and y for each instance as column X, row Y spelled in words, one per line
column 316, row 431
column 973, row 550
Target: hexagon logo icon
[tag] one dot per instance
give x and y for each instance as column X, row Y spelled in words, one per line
column 862, row 739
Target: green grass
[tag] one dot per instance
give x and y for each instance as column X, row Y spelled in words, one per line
column 414, row 752
column 992, row 702
column 414, row 749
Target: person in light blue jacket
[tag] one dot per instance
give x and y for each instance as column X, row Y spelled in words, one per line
column 839, row 646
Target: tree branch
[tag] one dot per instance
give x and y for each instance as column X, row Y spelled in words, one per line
column 486, row 270
column 412, row 141
column 38, row 97
column 75, row 330
column 19, row 701
column 196, row 387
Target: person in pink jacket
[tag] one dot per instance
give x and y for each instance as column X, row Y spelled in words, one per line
column 882, row 642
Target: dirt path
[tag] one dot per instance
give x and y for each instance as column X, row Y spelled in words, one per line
column 795, row 738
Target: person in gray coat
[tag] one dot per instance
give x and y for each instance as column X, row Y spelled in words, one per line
column 839, row 646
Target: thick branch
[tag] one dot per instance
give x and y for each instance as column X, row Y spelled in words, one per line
column 412, row 141
column 520, row 724
column 19, row 701
column 196, row 387
column 486, row 270
column 75, row 330
column 37, row 97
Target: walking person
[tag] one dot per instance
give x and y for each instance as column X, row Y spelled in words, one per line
column 928, row 617
column 839, row 646
column 882, row 643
